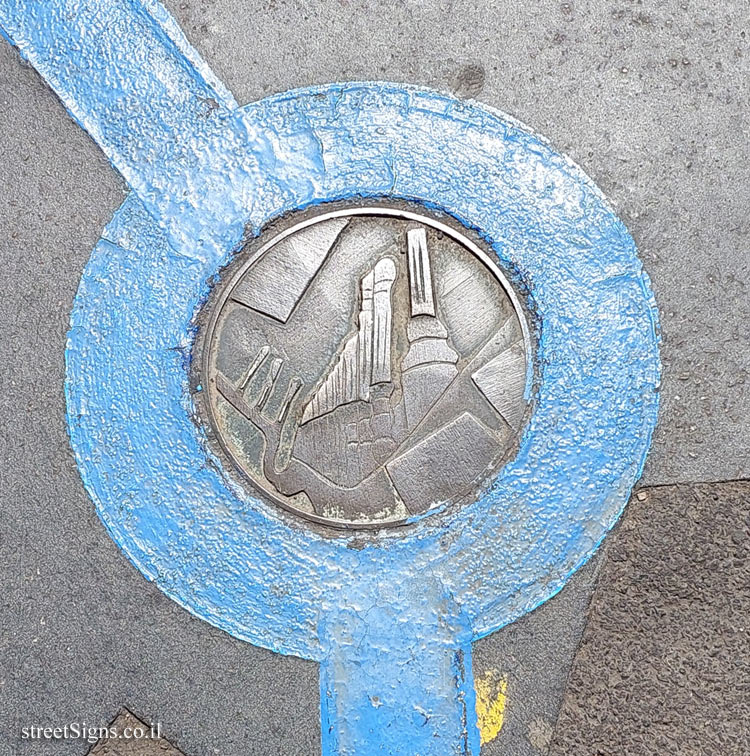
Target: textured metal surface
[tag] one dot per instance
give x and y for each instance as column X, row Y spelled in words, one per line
column 145, row 465
column 603, row 445
column 410, row 398
column 586, row 405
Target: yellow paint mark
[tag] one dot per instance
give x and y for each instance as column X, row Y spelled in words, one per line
column 491, row 690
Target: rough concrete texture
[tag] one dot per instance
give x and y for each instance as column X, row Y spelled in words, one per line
column 534, row 655
column 122, row 744
column 664, row 666
column 650, row 98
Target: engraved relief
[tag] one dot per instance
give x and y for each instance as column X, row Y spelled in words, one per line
column 335, row 376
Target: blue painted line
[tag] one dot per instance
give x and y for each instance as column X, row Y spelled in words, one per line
column 126, row 73
column 229, row 557
column 396, row 676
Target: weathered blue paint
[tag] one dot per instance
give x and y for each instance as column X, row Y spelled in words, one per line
column 348, row 601
column 127, row 74
column 396, row 677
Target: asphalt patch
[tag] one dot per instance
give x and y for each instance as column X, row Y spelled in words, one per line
column 664, row 664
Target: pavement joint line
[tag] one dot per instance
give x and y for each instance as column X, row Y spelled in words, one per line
column 691, row 483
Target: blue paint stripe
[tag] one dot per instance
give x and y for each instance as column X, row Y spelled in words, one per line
column 129, row 77
column 396, row 675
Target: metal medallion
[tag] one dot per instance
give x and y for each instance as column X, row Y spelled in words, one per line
column 366, row 366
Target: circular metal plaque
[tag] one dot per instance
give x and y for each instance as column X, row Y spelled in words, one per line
column 366, row 366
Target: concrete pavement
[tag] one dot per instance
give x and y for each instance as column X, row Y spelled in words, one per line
column 650, row 98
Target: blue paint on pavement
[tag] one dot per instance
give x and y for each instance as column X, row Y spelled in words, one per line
column 397, row 680
column 129, row 77
column 227, row 556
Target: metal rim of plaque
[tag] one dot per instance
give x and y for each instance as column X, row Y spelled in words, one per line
column 410, row 399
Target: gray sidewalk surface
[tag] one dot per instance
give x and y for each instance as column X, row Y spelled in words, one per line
column 651, row 99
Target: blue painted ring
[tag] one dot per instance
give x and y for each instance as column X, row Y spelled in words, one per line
column 241, row 564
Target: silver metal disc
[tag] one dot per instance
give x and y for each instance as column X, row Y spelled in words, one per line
column 365, row 366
